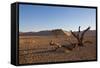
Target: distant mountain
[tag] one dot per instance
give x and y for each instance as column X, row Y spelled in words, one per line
column 52, row 32
column 45, row 33
column 41, row 33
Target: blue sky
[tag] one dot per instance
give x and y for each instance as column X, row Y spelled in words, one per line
column 38, row 18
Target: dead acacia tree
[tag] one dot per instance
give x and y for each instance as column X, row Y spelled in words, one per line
column 80, row 35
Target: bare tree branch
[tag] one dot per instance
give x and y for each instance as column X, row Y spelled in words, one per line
column 74, row 34
column 78, row 34
column 82, row 35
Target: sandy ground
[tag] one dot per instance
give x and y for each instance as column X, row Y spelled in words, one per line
column 36, row 49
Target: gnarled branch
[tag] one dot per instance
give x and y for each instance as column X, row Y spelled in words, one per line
column 80, row 35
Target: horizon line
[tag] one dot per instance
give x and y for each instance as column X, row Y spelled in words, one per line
column 53, row 29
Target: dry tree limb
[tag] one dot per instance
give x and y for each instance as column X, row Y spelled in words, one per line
column 80, row 36
column 69, row 47
column 78, row 32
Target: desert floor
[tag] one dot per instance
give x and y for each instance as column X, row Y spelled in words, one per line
column 36, row 49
